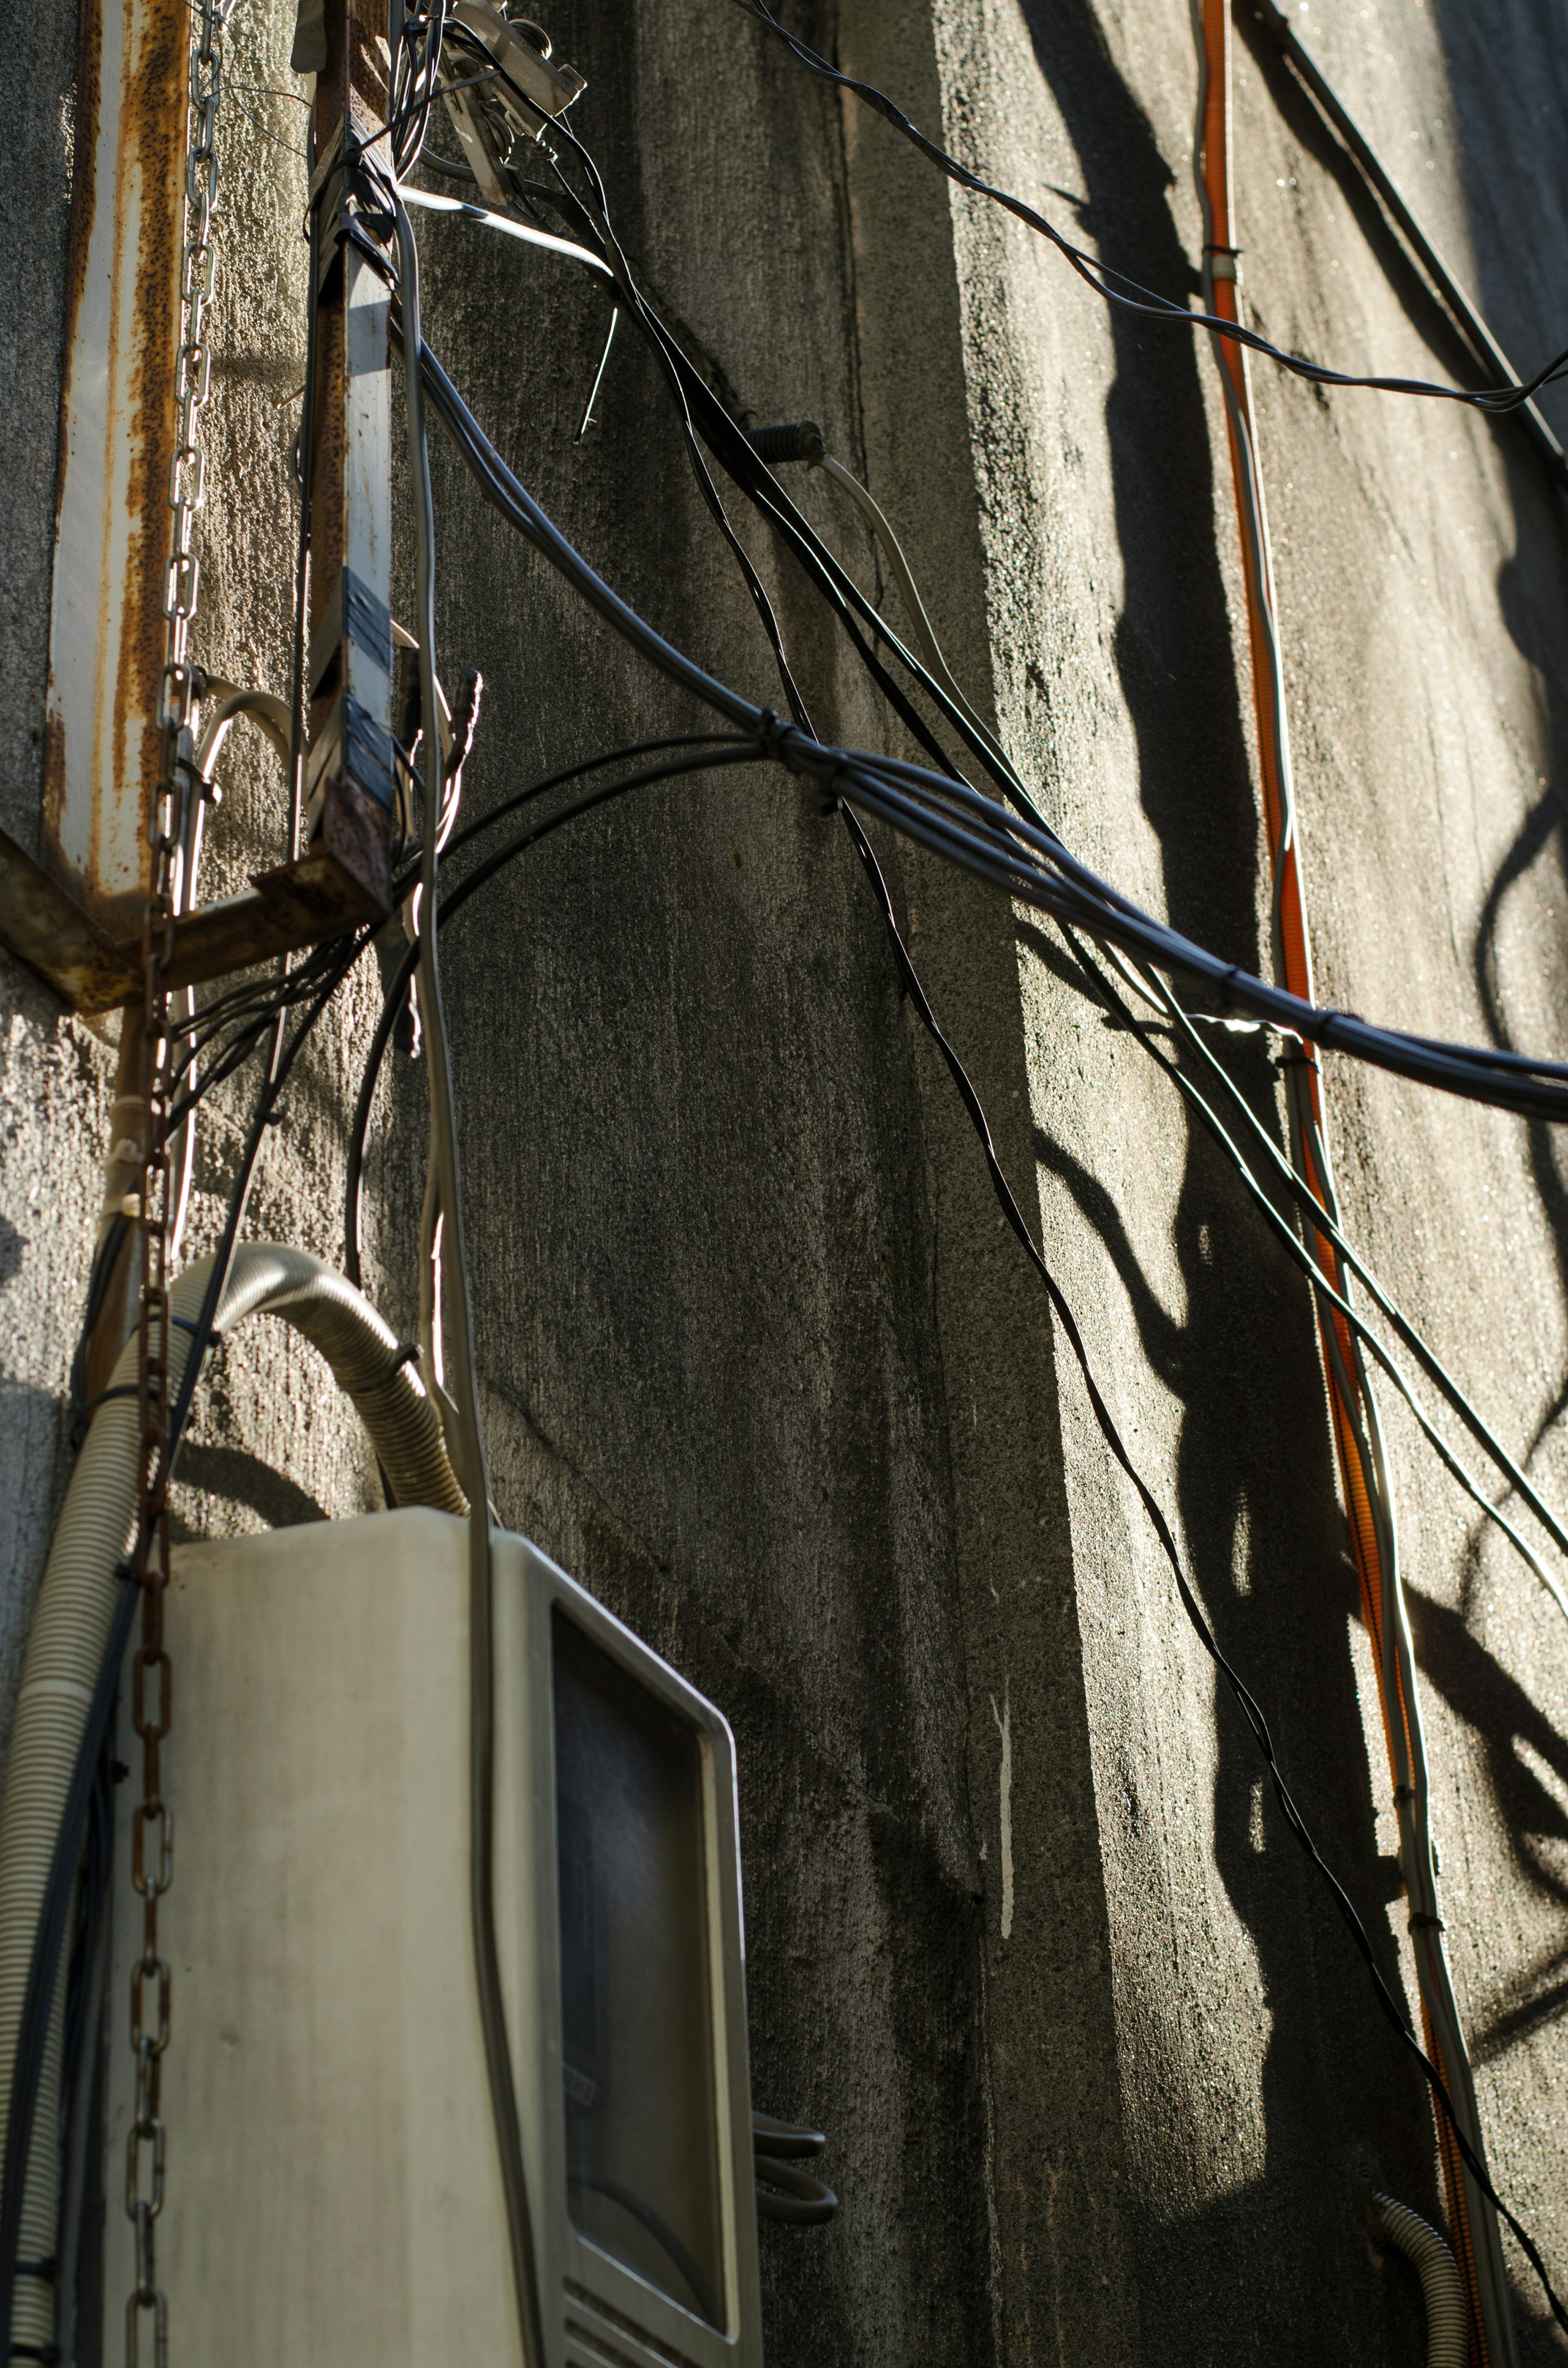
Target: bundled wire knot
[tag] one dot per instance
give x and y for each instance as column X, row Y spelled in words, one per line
column 787, row 746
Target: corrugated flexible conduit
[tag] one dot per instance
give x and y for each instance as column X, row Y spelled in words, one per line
column 75, row 1613
column 1353, row 1407
column 1447, row 2337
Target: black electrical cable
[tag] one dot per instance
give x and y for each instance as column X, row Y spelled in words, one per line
column 95, row 1882
column 700, row 410
column 1247, row 1699
column 668, row 357
column 790, row 444
column 697, row 407
column 105, row 1259
column 738, row 455
column 997, row 862
column 38, row 1998
column 1249, row 1704
column 222, row 1258
column 430, row 163
column 510, row 805
column 239, row 1047
column 734, row 752
column 1105, row 1421
column 1011, row 853
column 1115, row 286
column 1469, row 323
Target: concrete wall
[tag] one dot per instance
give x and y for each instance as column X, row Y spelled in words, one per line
column 1100, row 2069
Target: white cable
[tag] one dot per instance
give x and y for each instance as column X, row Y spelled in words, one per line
column 465, row 1371
column 524, row 230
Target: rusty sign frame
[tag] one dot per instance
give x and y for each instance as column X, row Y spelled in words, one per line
column 75, row 915
column 117, row 419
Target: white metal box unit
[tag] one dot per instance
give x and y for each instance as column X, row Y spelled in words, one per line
column 332, row 2191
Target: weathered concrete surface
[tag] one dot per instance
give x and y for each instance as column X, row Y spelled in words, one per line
column 1255, row 2084
column 1100, row 2067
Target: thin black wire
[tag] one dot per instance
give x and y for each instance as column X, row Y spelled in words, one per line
column 1317, row 1219
column 739, row 458
column 1131, row 294
column 38, row 1998
column 798, row 532
column 268, row 1101
column 1250, row 1707
column 487, row 821
column 730, row 753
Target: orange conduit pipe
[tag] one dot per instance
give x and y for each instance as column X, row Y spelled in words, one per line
column 1352, row 1410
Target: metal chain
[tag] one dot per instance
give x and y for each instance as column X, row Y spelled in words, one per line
column 152, row 1831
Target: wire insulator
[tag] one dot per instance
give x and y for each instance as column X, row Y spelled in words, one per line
column 800, row 439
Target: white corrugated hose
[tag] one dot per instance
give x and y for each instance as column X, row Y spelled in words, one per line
column 1448, row 2339
column 75, row 1613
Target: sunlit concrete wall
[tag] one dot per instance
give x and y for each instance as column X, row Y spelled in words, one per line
column 1101, row 2073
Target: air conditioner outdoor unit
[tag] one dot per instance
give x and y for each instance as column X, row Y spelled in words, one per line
column 333, row 2190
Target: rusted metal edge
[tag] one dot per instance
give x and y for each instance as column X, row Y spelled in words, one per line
column 300, row 904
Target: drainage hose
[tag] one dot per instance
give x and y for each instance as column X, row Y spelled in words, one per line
column 75, row 1613
column 1448, row 2335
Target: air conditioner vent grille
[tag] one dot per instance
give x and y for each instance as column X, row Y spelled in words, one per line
column 603, row 2337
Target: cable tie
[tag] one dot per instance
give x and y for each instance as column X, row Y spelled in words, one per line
column 1420, row 1923
column 407, row 1354
column 791, row 748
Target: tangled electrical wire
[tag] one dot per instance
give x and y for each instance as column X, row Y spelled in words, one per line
column 1015, row 851
column 943, row 813
column 1022, row 857
column 414, row 84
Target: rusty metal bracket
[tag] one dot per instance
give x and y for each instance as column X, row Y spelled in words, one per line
column 282, row 911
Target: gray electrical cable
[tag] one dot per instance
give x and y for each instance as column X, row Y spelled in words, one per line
column 1447, row 2337
column 465, row 1376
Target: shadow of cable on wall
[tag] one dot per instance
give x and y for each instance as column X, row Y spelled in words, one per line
column 1255, row 1484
